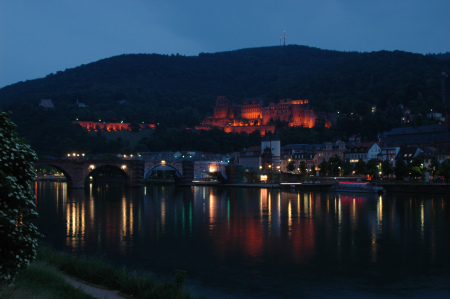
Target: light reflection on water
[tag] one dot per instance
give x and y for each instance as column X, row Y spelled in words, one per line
column 239, row 239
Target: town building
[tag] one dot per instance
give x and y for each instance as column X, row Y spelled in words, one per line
column 250, row 158
column 271, row 153
column 330, row 150
column 434, row 135
column 409, row 153
column 307, row 158
column 365, row 151
column 389, row 153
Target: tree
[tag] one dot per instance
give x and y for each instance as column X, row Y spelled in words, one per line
column 18, row 237
column 372, row 167
column 290, row 167
column 313, row 169
column 302, row 167
column 435, row 166
column 415, row 168
column 445, row 166
column 401, row 169
column 386, row 167
column 334, row 165
column 323, row 168
column 347, row 168
column 360, row 167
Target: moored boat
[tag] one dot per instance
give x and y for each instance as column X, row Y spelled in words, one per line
column 356, row 187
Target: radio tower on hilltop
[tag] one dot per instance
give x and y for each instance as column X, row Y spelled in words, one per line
column 284, row 38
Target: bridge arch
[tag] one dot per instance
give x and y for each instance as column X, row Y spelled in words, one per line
column 77, row 171
column 66, row 174
column 108, row 172
column 210, row 170
column 163, row 171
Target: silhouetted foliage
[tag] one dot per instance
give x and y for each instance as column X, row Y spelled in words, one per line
column 18, row 237
column 400, row 169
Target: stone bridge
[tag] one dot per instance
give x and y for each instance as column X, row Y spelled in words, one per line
column 77, row 171
column 133, row 171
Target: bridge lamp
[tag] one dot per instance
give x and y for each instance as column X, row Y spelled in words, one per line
column 74, row 154
column 91, row 167
column 163, row 162
column 68, row 155
column 82, row 154
column 124, row 167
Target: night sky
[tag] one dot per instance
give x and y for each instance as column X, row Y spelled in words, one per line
column 42, row 37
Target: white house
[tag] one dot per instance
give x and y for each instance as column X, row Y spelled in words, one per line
column 365, row 151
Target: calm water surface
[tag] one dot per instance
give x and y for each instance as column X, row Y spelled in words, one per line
column 244, row 242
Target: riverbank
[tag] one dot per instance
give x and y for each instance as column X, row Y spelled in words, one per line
column 41, row 281
column 389, row 186
column 62, row 275
column 408, row 187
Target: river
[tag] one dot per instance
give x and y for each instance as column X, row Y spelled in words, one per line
column 265, row 243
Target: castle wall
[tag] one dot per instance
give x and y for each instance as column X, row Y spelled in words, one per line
column 107, row 126
column 252, row 115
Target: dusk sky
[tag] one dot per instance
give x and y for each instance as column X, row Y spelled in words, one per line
column 42, row 37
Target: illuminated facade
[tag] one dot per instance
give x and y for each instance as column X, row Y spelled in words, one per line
column 94, row 126
column 252, row 115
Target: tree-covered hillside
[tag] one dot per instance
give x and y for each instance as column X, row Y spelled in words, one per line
column 178, row 91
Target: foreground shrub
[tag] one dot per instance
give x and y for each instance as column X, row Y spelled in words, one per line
column 18, row 237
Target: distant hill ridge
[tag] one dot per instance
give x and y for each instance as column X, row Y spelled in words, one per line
column 175, row 91
column 270, row 72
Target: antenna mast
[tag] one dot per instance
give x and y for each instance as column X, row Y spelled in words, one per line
column 284, row 43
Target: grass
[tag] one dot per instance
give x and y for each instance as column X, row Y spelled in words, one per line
column 101, row 272
column 41, row 281
column 44, row 278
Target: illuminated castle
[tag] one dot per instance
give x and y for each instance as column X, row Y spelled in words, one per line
column 253, row 115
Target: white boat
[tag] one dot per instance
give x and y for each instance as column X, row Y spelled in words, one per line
column 356, row 187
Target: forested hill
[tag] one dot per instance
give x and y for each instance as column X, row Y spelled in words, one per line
column 178, row 91
column 330, row 79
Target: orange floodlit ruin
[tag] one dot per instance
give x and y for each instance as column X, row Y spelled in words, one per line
column 252, row 115
column 94, row 126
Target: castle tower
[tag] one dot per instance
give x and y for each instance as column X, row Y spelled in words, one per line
column 222, row 107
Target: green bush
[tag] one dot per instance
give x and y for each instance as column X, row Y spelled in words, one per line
column 18, row 237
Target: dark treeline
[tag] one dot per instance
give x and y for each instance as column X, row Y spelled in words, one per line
column 177, row 92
